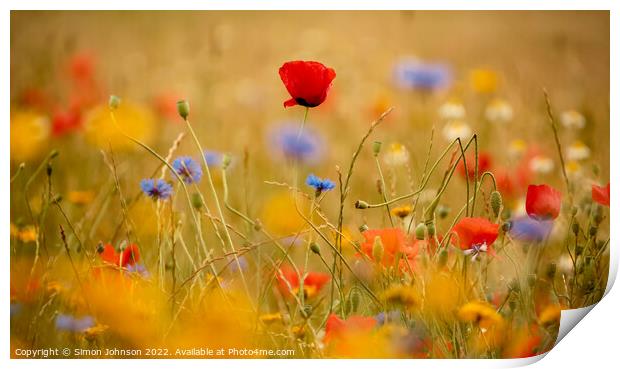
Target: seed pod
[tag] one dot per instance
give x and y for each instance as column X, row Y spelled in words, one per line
column 377, row 249
column 197, row 201
column 363, row 228
column 48, row 170
column 114, row 102
column 597, row 215
column 575, row 228
column 183, row 108
column 442, row 259
column 551, row 270
column 376, row 148
column 226, row 159
column 420, row 231
column 258, row 225
column 531, row 280
column 506, row 226
column 359, row 204
column 354, row 300
column 578, row 250
column 314, row 247
column 593, row 230
column 496, row 202
column 443, row 211
column 430, row 229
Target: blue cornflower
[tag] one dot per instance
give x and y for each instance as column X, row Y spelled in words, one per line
column 157, row 189
column 139, row 269
column 319, row 184
column 527, row 229
column 414, row 74
column 69, row 323
column 286, row 141
column 189, row 170
column 213, row 158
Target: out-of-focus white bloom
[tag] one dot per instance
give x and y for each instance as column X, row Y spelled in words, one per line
column 541, row 164
column 516, row 148
column 565, row 264
column 519, row 208
column 452, row 110
column 578, row 151
column 573, row 169
column 499, row 111
column 397, row 154
column 572, row 119
column 455, row 129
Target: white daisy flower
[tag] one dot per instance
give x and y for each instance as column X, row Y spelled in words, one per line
column 455, row 129
column 572, row 119
column 541, row 164
column 396, row 155
column 577, row 151
column 452, row 110
column 499, row 111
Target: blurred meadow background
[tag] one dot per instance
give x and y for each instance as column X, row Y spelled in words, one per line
column 480, row 72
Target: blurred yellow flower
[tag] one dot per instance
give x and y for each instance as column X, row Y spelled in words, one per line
column 270, row 318
column 24, row 234
column 81, row 197
column 404, row 296
column 134, row 120
column 481, row 313
column 484, row 80
column 29, row 134
column 279, row 214
column 442, row 294
column 550, row 314
column 402, row 211
column 517, row 147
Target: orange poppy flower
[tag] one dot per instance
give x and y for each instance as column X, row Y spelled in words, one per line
column 393, row 241
column 312, row 283
column 543, row 202
column 337, row 328
column 129, row 256
column 475, row 232
column 600, row 194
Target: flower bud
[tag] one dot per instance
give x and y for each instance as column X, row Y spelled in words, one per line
column 354, row 300
column 48, row 170
column 443, row 211
column 359, row 204
column 578, row 250
column 114, row 102
column 442, row 259
column 363, row 228
column 377, row 249
column 593, row 230
column 314, row 247
column 551, row 270
column 430, row 229
column 306, row 312
column 575, row 228
column 197, row 201
column 531, row 280
column 420, row 231
column 183, row 108
column 496, row 202
column 258, row 225
column 376, row 148
column 597, row 215
column 54, row 153
column 226, row 159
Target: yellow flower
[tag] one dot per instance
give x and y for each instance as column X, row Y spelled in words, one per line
column 280, row 216
column 484, row 80
column 24, row 234
column 271, row 318
column 517, row 148
column 550, row 314
column 93, row 332
column 29, row 134
column 481, row 313
column 402, row 211
column 134, row 120
column 401, row 295
column 81, row 197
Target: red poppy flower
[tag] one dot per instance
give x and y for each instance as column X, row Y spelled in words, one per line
column 336, row 328
column 543, row 202
column 129, row 256
column 484, row 164
column 473, row 232
column 308, row 82
column 65, row 121
column 312, row 283
column 393, row 241
column 600, row 194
